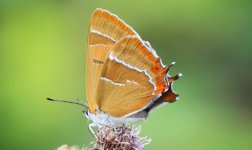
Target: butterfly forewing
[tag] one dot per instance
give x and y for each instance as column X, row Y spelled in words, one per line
column 105, row 30
column 96, row 56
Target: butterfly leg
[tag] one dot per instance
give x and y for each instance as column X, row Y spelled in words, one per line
column 91, row 129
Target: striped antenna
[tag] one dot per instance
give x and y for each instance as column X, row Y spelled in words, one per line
column 64, row 101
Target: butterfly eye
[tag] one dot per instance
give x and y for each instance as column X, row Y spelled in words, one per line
column 85, row 112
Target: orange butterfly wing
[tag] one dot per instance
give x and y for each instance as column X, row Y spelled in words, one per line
column 105, row 30
column 123, row 73
column 131, row 78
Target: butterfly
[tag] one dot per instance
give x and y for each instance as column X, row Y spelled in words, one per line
column 125, row 78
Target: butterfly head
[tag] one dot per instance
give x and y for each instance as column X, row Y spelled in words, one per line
column 85, row 112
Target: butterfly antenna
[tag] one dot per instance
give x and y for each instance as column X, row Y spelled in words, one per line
column 64, row 101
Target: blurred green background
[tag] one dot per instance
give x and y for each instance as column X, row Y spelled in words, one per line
column 42, row 54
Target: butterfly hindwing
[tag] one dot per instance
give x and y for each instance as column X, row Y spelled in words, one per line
column 130, row 78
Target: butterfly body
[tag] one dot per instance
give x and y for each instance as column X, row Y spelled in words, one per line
column 125, row 79
column 100, row 118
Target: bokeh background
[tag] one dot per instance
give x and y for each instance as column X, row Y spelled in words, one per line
column 42, row 54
